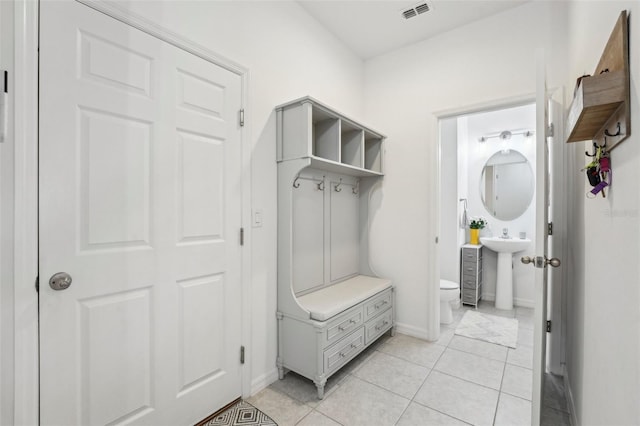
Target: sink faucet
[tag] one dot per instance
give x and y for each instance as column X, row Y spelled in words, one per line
column 505, row 233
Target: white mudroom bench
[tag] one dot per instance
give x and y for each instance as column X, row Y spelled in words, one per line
column 331, row 305
column 344, row 319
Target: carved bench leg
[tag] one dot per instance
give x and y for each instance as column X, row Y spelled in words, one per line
column 320, row 386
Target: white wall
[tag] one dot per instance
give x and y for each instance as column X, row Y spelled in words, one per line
column 603, row 294
column 6, row 231
column 288, row 55
column 449, row 201
column 462, row 166
column 488, row 60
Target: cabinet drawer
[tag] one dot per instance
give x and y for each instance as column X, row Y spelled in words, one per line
column 343, row 351
column 377, row 305
column 469, row 296
column 471, row 281
column 471, row 268
column 343, row 325
column 471, row 255
column 377, row 326
column 471, row 286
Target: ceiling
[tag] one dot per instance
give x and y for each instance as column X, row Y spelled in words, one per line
column 371, row 28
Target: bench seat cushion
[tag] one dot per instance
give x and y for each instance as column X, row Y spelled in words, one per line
column 330, row 301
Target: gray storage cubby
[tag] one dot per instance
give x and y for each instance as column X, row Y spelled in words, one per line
column 328, row 139
column 326, row 135
column 373, row 152
column 351, row 144
column 331, row 306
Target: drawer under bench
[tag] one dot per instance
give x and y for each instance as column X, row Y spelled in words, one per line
column 318, row 349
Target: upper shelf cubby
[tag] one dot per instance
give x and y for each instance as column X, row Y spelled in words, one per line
column 600, row 107
column 332, row 141
column 325, row 131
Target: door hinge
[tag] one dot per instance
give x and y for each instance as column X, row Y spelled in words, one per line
column 38, row 284
column 4, row 106
column 550, row 130
column 241, row 236
column 241, row 117
column 550, row 228
column 241, row 354
column 548, row 326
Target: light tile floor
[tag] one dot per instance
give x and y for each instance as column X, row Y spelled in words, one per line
column 401, row 380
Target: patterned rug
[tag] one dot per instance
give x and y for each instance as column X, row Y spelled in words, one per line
column 490, row 328
column 242, row 414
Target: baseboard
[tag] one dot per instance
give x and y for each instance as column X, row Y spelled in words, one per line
column 569, row 395
column 412, row 331
column 489, row 297
column 523, row 303
column 263, row 381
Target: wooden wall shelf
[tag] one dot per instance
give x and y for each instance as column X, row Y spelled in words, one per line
column 601, row 102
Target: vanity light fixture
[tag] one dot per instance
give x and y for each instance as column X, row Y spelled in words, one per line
column 506, row 135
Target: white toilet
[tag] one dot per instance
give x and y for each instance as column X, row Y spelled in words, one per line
column 449, row 299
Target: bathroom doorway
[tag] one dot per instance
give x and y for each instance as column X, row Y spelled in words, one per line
column 473, row 144
column 487, row 159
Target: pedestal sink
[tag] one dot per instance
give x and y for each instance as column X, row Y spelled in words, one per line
column 505, row 247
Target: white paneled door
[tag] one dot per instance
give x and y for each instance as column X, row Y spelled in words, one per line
column 140, row 204
column 540, row 260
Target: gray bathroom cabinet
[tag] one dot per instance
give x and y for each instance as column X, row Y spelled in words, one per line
column 471, row 273
column 331, row 305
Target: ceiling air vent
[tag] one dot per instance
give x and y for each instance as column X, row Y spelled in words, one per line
column 409, row 13
column 416, row 10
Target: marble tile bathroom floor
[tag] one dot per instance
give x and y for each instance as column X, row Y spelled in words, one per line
column 402, row 380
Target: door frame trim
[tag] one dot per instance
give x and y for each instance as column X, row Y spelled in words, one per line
column 25, row 305
column 26, row 343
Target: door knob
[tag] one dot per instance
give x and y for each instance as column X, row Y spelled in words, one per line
column 526, row 260
column 60, row 281
column 554, row 261
column 540, row 261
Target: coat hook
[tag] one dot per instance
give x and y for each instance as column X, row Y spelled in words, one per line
column 618, row 131
column 296, row 184
column 321, row 184
column 337, row 187
column 595, row 146
column 356, row 187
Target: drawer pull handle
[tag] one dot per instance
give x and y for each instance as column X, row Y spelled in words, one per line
column 344, row 354
column 379, row 326
column 344, row 327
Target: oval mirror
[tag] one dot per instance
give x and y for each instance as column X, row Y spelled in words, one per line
column 506, row 185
